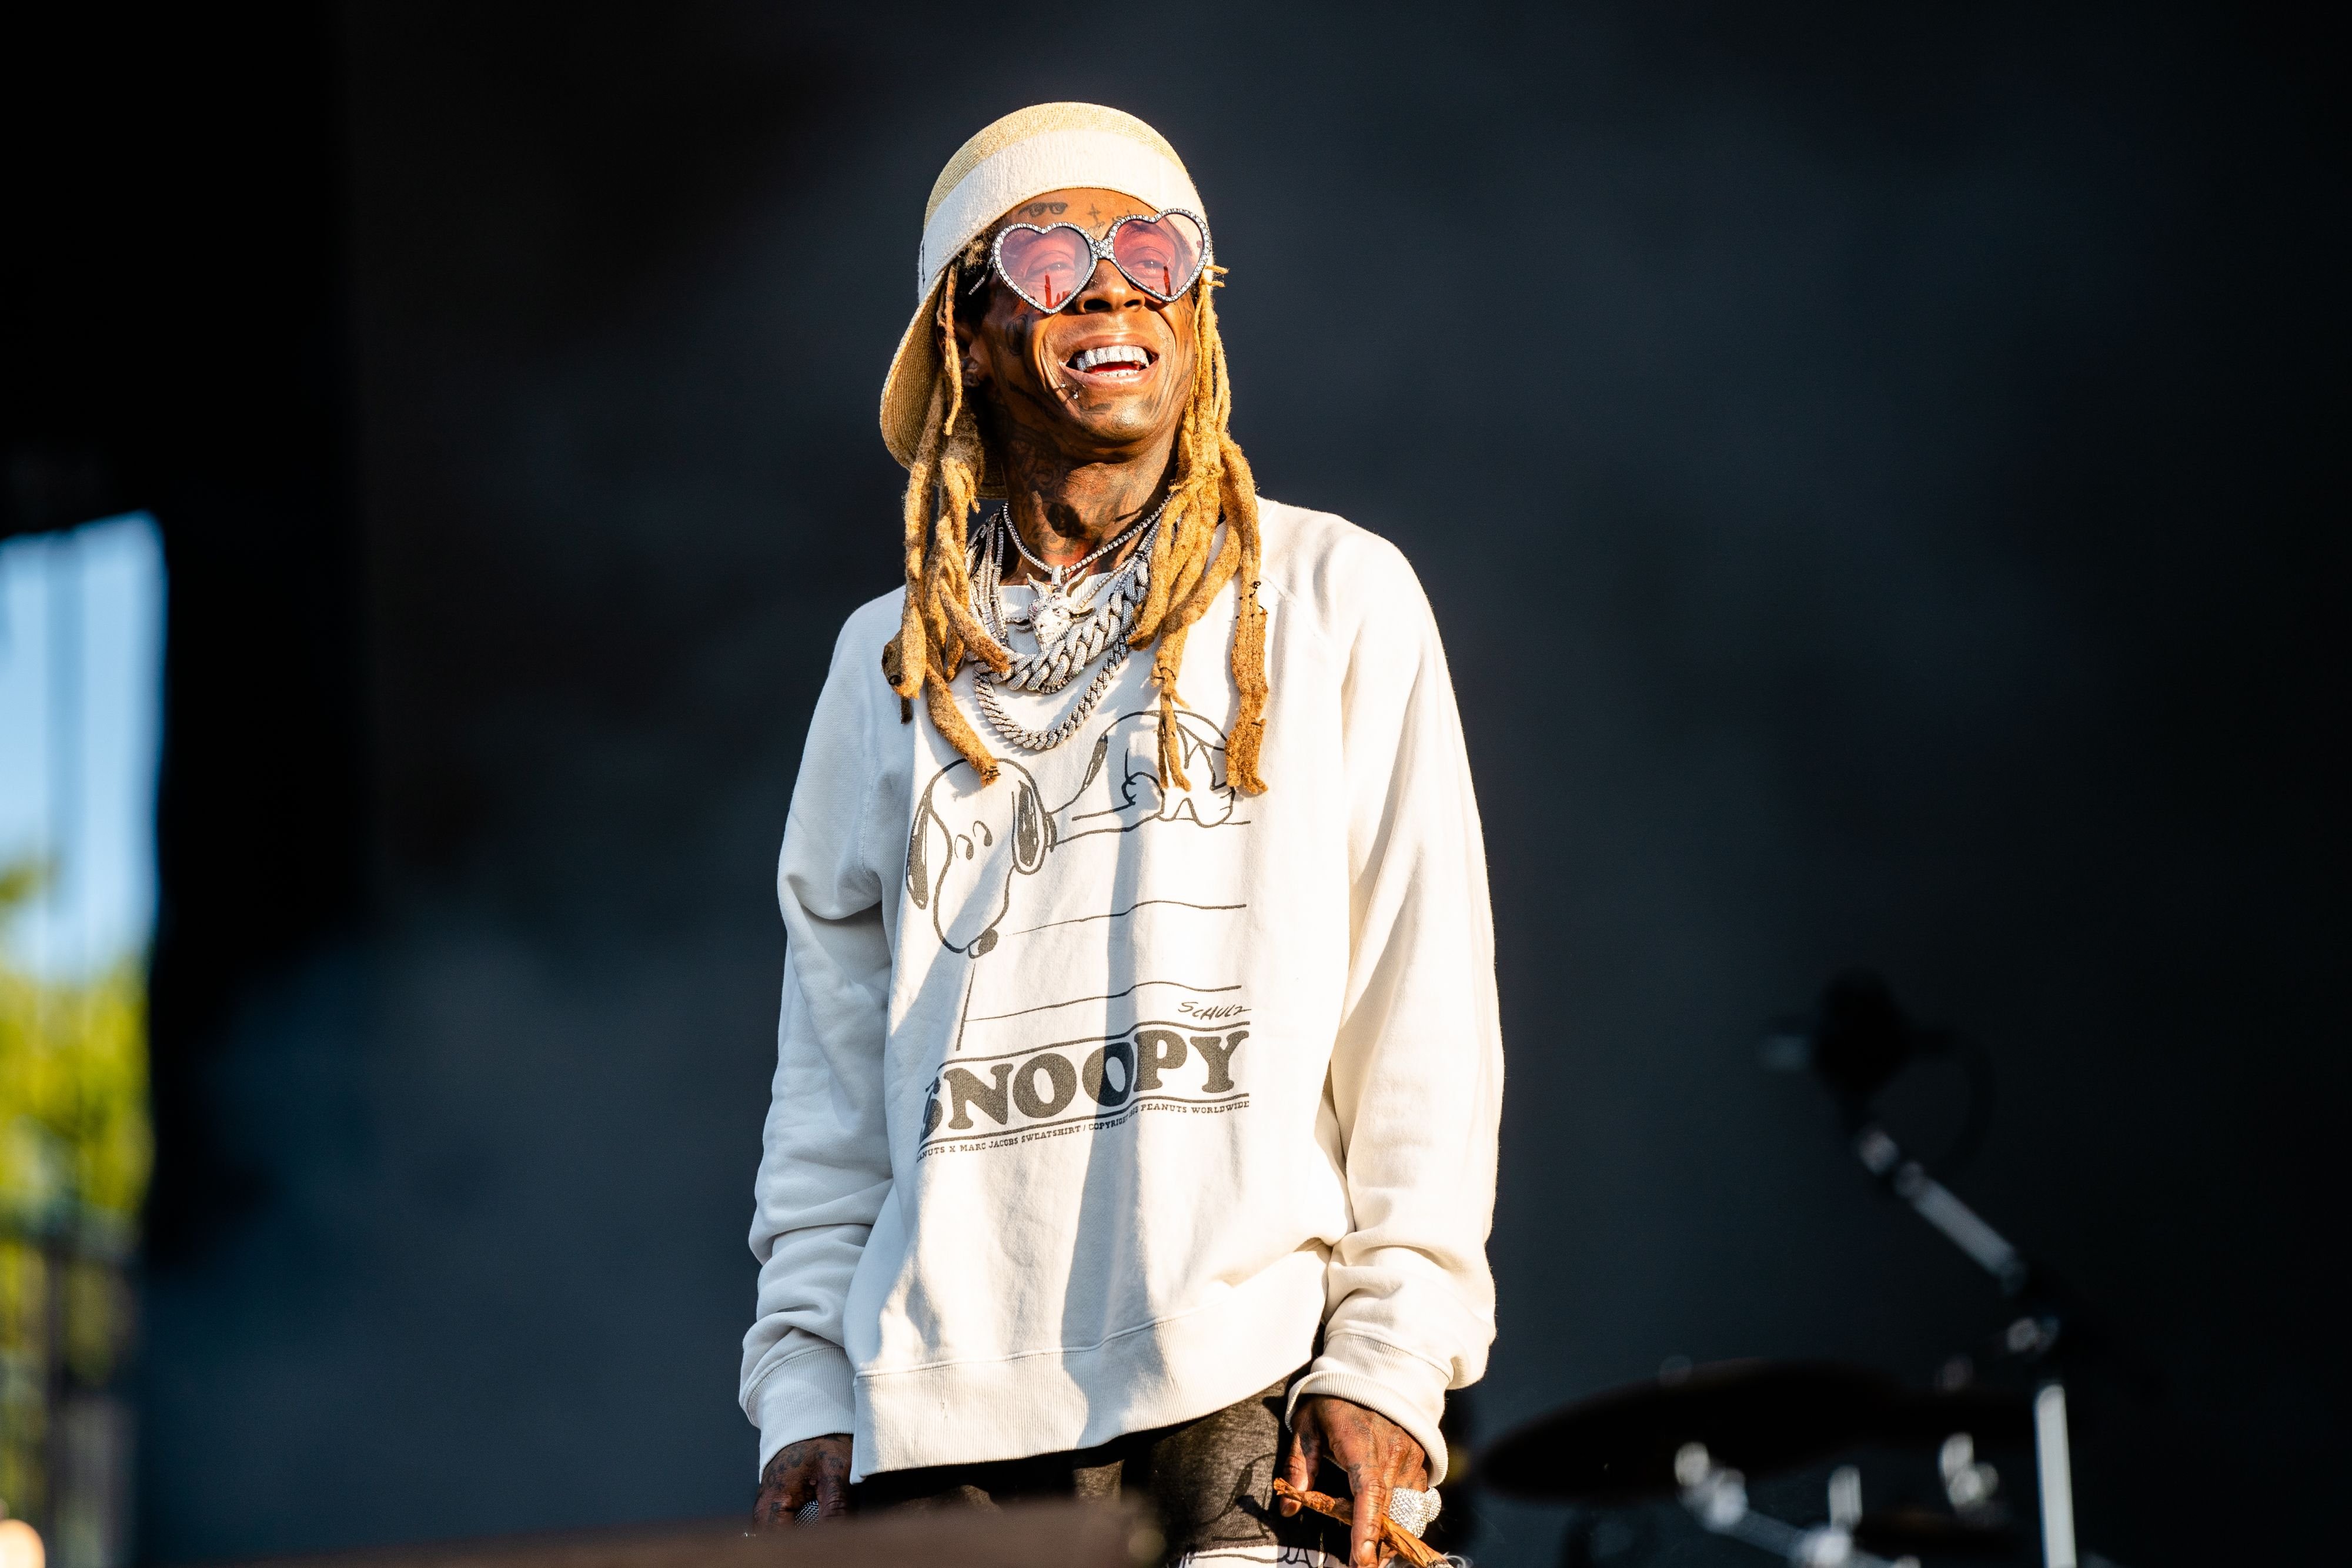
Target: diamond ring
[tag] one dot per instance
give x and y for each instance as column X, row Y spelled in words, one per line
column 1416, row 1511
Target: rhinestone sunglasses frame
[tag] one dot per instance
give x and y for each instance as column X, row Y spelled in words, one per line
column 1102, row 253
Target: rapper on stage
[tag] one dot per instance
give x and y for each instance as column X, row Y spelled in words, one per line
column 1134, row 1112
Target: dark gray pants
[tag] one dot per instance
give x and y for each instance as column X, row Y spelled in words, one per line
column 1209, row 1481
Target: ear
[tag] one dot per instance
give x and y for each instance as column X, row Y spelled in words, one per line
column 918, row 869
column 972, row 349
column 928, row 848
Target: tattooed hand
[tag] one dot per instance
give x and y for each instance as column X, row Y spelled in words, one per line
column 1375, row 1453
column 814, row 1467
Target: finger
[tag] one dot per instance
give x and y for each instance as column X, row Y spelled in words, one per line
column 832, row 1495
column 1366, row 1538
column 1413, row 1471
column 1300, row 1472
column 808, row 1487
column 776, row 1482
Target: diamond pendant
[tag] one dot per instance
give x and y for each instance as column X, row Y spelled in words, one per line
column 1050, row 616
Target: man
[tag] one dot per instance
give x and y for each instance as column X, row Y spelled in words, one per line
column 1139, row 1068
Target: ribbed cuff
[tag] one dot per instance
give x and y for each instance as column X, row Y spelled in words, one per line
column 1401, row 1385
column 808, row 1395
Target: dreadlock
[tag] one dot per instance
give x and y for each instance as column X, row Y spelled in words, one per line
column 1211, row 484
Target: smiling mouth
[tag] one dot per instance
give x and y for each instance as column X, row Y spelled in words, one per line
column 1111, row 362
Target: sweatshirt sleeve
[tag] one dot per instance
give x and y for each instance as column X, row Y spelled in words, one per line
column 1417, row 1068
column 824, row 1172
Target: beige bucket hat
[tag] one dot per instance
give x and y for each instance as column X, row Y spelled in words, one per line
column 1046, row 147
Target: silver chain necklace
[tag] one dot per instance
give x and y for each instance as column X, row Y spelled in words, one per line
column 1085, row 624
column 1046, row 739
column 1050, row 617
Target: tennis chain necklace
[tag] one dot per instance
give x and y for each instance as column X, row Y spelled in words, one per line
column 1050, row 617
column 1074, row 623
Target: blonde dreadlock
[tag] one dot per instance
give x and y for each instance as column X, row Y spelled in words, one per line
column 1189, row 567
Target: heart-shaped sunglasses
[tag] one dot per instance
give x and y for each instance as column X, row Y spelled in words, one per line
column 1161, row 255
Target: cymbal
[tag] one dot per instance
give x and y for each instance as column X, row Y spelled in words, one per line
column 1756, row 1417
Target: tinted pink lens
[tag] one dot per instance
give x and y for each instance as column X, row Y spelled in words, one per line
column 1162, row 253
column 1046, row 267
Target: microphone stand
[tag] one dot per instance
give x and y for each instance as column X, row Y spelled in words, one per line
column 2033, row 1334
column 1858, row 1041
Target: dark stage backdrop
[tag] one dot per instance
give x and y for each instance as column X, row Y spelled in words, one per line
column 1881, row 480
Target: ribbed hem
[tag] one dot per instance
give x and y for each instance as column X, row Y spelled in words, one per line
column 1406, row 1388
column 807, row 1396
column 1178, row 1369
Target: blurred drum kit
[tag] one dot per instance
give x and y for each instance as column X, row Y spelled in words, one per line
column 1698, row 1434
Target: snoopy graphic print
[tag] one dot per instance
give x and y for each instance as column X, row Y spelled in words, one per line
column 1111, row 987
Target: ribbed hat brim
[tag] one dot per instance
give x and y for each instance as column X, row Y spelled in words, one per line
column 907, row 390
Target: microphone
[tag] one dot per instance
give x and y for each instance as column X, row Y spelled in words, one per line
column 1856, row 1042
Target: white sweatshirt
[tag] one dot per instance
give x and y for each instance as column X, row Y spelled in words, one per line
column 1093, row 1106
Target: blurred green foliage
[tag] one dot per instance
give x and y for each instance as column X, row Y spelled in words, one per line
column 75, row 1150
column 75, row 1145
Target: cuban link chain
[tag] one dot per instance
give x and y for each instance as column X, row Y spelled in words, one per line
column 1089, row 623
